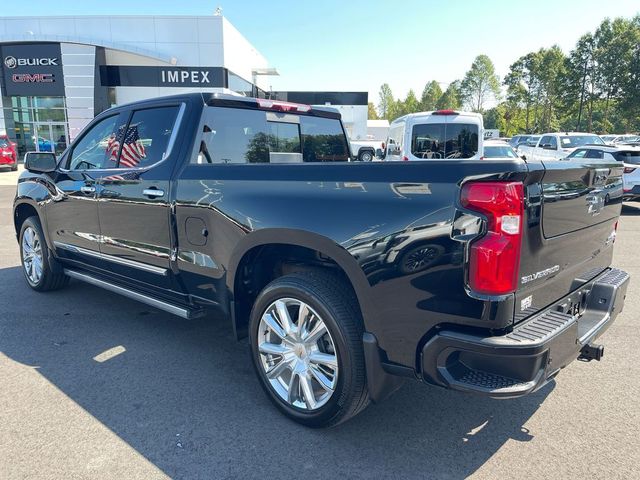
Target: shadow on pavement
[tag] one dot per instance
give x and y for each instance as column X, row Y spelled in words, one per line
column 183, row 394
column 630, row 209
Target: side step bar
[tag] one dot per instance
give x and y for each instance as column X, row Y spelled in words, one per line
column 184, row 312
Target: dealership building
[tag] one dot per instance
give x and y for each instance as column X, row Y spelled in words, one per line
column 59, row 72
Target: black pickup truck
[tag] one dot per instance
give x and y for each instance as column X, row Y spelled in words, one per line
column 485, row 276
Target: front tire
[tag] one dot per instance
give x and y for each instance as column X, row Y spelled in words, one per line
column 35, row 258
column 306, row 345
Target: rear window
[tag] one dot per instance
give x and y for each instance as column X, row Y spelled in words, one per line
column 499, row 151
column 440, row 140
column 232, row 135
column 574, row 141
column 632, row 157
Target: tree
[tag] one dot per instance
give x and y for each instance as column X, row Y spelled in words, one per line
column 430, row 96
column 386, row 101
column 480, row 84
column 522, row 86
column 451, row 98
column 372, row 115
column 410, row 104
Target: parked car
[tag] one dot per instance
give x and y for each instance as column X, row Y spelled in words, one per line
column 615, row 139
column 44, row 145
column 347, row 277
column 556, row 146
column 628, row 155
column 366, row 150
column 443, row 134
column 498, row 149
column 517, row 140
column 8, row 153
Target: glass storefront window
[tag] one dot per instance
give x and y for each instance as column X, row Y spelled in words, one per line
column 36, row 123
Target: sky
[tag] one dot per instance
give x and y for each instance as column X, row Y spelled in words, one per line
column 354, row 45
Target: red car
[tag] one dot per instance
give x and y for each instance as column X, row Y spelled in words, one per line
column 8, row 154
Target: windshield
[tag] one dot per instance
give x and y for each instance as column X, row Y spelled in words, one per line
column 499, row 151
column 533, row 141
column 440, row 140
column 574, row 141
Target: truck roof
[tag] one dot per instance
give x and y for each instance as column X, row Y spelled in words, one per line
column 238, row 101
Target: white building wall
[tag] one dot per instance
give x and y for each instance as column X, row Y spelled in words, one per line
column 240, row 56
column 78, row 67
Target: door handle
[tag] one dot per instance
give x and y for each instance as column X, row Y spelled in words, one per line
column 88, row 189
column 153, row 192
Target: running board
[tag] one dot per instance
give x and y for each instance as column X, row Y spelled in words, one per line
column 184, row 312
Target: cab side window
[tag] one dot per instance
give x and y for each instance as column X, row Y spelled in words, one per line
column 553, row 142
column 579, row 153
column 146, row 138
column 95, row 148
column 593, row 153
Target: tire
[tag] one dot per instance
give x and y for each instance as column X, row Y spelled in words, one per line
column 14, row 168
column 34, row 256
column 328, row 301
column 365, row 156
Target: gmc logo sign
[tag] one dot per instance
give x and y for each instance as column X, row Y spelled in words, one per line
column 32, row 78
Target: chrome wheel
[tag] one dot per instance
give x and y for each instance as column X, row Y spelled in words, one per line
column 297, row 354
column 32, row 255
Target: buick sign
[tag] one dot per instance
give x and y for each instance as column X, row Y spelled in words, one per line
column 32, row 69
column 13, row 62
column 10, row 62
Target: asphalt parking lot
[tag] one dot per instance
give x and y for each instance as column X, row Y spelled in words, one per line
column 93, row 385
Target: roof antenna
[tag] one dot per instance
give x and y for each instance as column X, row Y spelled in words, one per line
column 218, row 12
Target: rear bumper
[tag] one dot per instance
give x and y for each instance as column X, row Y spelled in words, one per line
column 6, row 160
column 525, row 359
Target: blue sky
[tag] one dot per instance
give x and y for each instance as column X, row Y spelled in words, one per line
column 358, row 45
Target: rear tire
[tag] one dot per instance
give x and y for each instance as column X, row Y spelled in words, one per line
column 365, row 156
column 314, row 393
column 35, row 258
column 14, row 168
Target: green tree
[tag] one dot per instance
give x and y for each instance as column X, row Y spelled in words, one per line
column 430, row 96
column 372, row 115
column 480, row 84
column 451, row 98
column 386, row 101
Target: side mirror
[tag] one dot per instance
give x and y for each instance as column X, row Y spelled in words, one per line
column 524, row 157
column 40, row 162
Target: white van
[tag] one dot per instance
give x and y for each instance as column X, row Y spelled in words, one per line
column 443, row 134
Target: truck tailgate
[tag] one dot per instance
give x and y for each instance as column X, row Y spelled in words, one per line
column 569, row 231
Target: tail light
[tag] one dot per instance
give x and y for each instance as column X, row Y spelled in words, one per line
column 405, row 159
column 629, row 169
column 494, row 259
column 445, row 112
column 283, row 106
